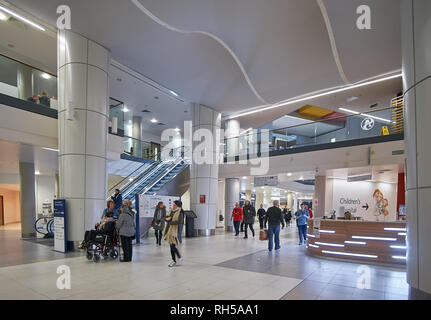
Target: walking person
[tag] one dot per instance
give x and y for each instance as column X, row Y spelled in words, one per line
column 171, row 231
column 159, row 221
column 249, row 214
column 237, row 217
column 275, row 218
column 261, row 215
column 288, row 217
column 302, row 217
column 127, row 229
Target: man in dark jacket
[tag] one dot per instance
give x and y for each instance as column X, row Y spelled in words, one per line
column 249, row 214
column 118, row 200
column 261, row 215
column 275, row 218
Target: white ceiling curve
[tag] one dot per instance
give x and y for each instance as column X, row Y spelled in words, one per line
column 283, row 46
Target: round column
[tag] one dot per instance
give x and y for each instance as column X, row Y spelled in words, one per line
column 27, row 199
column 320, row 195
column 232, row 129
column 231, row 196
column 137, row 135
column 204, row 176
column 416, row 46
column 83, row 90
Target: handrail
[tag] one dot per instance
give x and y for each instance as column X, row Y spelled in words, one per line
column 318, row 121
column 163, row 174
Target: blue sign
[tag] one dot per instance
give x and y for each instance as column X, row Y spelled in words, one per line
column 60, row 225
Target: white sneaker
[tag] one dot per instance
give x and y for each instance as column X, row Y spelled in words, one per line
column 172, row 264
column 180, row 261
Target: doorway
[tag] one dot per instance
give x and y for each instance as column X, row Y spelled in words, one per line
column 1, row 211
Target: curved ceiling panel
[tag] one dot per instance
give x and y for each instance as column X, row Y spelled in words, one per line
column 366, row 53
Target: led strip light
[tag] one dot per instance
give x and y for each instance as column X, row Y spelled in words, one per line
column 329, row 244
column 395, row 229
column 19, row 17
column 350, row 254
column 374, row 238
column 327, row 231
column 311, row 235
column 399, row 257
column 313, row 245
column 355, row 242
column 398, row 247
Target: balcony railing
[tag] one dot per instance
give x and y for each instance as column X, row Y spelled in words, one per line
column 353, row 126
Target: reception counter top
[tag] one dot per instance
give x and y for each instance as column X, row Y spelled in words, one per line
column 381, row 242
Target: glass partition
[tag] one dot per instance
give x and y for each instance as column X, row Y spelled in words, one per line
column 28, row 83
column 116, row 117
column 382, row 122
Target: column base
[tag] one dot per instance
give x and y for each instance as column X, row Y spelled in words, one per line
column 228, row 228
column 416, row 294
column 31, row 235
column 204, row 232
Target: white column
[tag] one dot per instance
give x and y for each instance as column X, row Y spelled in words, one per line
column 290, row 200
column 27, row 199
column 416, row 46
column 25, row 82
column 232, row 129
column 232, row 187
column 83, row 91
column 320, row 195
column 137, row 135
column 204, row 177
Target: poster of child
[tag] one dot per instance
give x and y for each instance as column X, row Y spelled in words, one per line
column 379, row 203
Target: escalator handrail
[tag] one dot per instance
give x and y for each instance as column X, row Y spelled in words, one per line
column 163, row 174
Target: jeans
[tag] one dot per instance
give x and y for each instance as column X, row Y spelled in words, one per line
column 236, row 226
column 159, row 237
column 175, row 252
column 126, row 243
column 302, row 233
column 261, row 222
column 274, row 232
column 248, row 225
column 180, row 232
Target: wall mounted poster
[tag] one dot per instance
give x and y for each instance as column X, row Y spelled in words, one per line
column 148, row 203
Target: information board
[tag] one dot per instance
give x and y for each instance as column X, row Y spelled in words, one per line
column 266, row 181
column 148, row 203
column 60, row 225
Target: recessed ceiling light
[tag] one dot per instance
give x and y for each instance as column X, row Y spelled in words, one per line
column 244, row 177
column 153, row 120
column 177, row 129
column 349, row 111
column 289, row 174
column 46, row 76
column 350, row 99
column 3, row 17
column 16, row 15
column 37, row 172
column 125, row 109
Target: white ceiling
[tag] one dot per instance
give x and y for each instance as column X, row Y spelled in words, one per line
column 283, row 45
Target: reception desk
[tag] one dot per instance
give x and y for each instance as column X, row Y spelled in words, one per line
column 379, row 242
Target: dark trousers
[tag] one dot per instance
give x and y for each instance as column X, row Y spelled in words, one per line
column 180, row 232
column 159, row 235
column 236, row 226
column 261, row 222
column 126, row 243
column 274, row 236
column 242, row 226
column 302, row 233
column 175, row 252
column 248, row 225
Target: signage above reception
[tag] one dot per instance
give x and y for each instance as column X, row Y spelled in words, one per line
column 266, row 181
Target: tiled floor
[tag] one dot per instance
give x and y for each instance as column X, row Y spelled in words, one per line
column 219, row 267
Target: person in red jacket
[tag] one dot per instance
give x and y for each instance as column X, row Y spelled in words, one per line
column 237, row 216
column 309, row 211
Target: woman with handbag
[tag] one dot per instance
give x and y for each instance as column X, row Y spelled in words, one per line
column 127, row 229
column 171, row 231
column 159, row 221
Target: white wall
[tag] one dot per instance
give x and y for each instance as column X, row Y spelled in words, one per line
column 185, row 199
column 45, row 191
column 360, row 193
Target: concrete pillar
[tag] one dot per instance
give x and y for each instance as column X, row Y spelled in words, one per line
column 57, row 186
column 232, row 187
column 416, row 49
column 83, row 90
column 290, row 200
column 204, row 173
column 232, row 129
column 25, row 82
column 27, row 199
column 320, row 196
column 137, row 135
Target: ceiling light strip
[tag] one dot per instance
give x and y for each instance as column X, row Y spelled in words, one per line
column 172, row 28
column 355, row 242
column 353, row 86
column 19, row 17
column 350, row 254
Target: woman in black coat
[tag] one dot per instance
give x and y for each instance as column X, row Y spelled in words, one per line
column 159, row 221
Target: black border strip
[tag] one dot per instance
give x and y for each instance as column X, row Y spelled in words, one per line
column 28, row 106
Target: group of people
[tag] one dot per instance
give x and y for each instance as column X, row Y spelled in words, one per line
column 243, row 218
column 43, row 99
